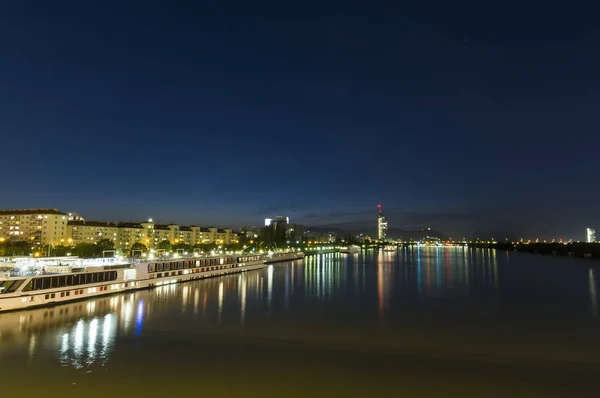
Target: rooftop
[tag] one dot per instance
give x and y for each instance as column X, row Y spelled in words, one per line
column 31, row 211
column 93, row 223
column 130, row 225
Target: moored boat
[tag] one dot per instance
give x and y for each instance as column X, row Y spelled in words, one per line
column 350, row 249
column 21, row 291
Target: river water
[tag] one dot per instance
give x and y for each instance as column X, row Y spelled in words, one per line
column 428, row 322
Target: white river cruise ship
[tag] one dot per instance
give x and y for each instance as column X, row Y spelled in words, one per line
column 65, row 283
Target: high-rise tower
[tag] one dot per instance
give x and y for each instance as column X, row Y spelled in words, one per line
column 591, row 235
column 382, row 224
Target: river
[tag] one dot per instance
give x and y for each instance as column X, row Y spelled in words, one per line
column 422, row 322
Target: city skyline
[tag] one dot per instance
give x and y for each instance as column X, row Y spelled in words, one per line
column 376, row 228
column 194, row 113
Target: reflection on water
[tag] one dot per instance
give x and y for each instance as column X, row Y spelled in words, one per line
column 423, row 298
column 593, row 298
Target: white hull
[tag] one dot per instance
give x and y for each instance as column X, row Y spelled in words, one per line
column 143, row 278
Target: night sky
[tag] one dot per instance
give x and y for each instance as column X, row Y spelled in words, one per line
column 468, row 117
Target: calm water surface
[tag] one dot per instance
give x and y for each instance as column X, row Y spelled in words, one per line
column 418, row 323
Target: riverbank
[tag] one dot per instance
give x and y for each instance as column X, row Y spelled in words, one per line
column 573, row 249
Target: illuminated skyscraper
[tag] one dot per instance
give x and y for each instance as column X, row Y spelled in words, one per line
column 591, row 235
column 382, row 224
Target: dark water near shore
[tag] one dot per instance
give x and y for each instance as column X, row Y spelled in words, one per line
column 428, row 322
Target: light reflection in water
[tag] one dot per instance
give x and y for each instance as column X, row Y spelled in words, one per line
column 32, row 343
column 383, row 283
column 64, row 348
column 419, row 289
column 106, row 335
column 438, row 276
column 92, row 333
column 286, row 295
column 126, row 310
column 196, row 300
column 242, row 285
column 380, row 286
column 78, row 345
column 220, row 303
column 593, row 298
column 495, row 265
column 139, row 318
column 185, row 296
column 269, row 287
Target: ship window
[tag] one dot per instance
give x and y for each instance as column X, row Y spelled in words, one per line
column 10, row 286
column 46, row 283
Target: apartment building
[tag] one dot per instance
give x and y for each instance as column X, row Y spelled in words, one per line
column 37, row 226
column 124, row 235
column 50, row 226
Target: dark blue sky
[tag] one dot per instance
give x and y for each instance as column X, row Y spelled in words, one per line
column 469, row 117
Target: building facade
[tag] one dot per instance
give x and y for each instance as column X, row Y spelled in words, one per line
column 124, row 235
column 92, row 232
column 294, row 232
column 36, row 226
column 591, row 235
column 52, row 227
column 250, row 231
column 382, row 225
column 279, row 221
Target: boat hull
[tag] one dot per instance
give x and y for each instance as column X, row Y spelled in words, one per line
column 49, row 297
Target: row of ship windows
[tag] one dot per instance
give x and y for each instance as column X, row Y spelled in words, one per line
column 50, row 296
column 52, row 282
column 174, row 273
column 158, row 267
column 246, row 259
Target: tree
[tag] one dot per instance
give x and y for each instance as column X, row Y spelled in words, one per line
column 105, row 245
column 165, row 245
column 137, row 246
column 182, row 246
column 44, row 250
column 205, row 247
column 60, row 250
column 85, row 250
column 274, row 236
column 15, row 248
